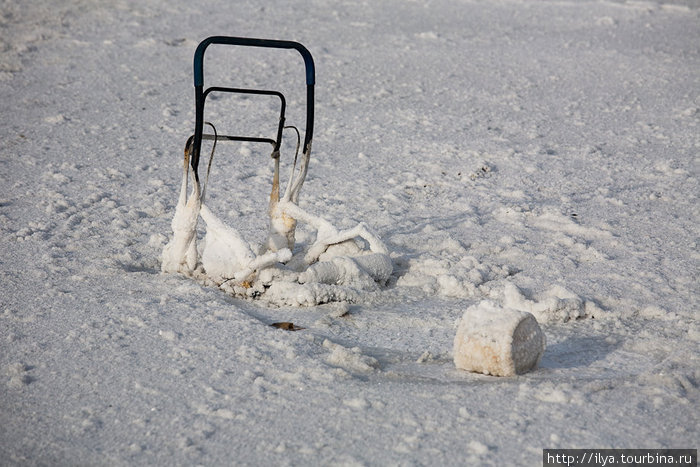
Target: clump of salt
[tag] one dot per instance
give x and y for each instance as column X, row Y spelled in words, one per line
column 180, row 254
column 498, row 341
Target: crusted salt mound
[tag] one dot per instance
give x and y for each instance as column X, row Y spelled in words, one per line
column 498, row 341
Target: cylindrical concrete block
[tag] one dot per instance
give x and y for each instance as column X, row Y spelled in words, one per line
column 498, row 341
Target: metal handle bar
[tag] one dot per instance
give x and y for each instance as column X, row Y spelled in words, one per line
column 262, row 92
column 244, row 41
column 247, row 41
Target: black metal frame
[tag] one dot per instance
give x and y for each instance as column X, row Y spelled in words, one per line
column 201, row 95
column 283, row 105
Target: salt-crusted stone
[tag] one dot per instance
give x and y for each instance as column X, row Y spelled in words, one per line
column 498, row 341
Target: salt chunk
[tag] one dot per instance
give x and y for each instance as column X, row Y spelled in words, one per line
column 225, row 251
column 555, row 305
column 180, row 254
column 498, row 341
column 350, row 359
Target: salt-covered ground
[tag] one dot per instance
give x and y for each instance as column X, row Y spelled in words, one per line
column 540, row 154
